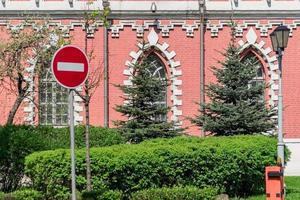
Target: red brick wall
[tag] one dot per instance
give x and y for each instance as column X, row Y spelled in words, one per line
column 187, row 51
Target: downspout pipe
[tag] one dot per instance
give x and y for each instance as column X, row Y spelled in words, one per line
column 105, row 56
column 105, row 4
column 202, row 63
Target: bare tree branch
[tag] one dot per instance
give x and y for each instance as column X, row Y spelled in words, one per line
column 25, row 44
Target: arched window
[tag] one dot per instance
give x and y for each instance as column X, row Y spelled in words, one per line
column 53, row 101
column 259, row 78
column 157, row 69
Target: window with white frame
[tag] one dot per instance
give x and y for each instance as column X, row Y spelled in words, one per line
column 157, row 68
column 53, row 101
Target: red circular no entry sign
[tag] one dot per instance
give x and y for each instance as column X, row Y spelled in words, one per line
column 70, row 66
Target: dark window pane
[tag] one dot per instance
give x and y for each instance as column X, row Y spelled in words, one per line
column 49, row 119
column 65, row 119
column 258, row 79
column 259, row 72
column 157, row 69
column 42, row 119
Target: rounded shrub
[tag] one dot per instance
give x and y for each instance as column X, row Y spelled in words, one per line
column 23, row 194
column 1, row 195
column 234, row 163
column 18, row 141
column 55, row 138
column 102, row 195
column 176, row 193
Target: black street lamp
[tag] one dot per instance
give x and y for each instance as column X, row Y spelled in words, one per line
column 279, row 38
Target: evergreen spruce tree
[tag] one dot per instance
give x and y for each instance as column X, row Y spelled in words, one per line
column 146, row 118
column 235, row 106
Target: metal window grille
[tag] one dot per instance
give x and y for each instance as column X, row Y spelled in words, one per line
column 259, row 78
column 53, row 101
column 157, row 69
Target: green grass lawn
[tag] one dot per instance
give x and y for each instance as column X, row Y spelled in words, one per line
column 293, row 187
column 292, row 190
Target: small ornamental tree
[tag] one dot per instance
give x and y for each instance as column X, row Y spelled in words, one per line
column 93, row 81
column 29, row 44
column 146, row 117
column 235, row 106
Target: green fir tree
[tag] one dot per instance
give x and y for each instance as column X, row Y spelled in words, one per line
column 236, row 104
column 146, row 117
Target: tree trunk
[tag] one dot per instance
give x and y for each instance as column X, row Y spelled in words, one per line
column 87, row 144
column 14, row 109
column 87, row 122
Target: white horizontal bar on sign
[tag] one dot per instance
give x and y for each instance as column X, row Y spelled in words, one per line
column 70, row 67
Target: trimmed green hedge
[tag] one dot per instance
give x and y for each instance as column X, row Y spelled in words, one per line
column 234, row 163
column 102, row 195
column 27, row 194
column 176, row 193
column 16, row 142
column 1, row 195
column 59, row 138
column 23, row 194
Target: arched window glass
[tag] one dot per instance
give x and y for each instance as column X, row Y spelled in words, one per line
column 53, row 101
column 259, row 78
column 157, row 68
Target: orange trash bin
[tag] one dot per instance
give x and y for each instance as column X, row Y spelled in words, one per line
column 274, row 183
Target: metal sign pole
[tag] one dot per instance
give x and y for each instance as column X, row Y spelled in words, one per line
column 65, row 62
column 71, row 109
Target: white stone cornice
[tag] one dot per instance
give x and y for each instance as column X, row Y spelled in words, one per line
column 145, row 6
column 264, row 28
column 65, row 28
column 163, row 27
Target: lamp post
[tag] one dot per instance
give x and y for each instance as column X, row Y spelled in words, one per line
column 279, row 38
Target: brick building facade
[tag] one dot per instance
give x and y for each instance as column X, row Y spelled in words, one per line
column 185, row 37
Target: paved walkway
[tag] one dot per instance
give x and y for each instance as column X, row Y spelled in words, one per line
column 293, row 166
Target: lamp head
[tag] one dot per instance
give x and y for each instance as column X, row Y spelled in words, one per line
column 280, row 37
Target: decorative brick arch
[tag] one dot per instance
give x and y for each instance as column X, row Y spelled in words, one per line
column 270, row 60
column 176, row 73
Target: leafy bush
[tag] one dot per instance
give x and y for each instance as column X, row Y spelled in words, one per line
column 1, row 195
column 27, row 194
column 234, row 163
column 16, row 142
column 176, row 193
column 102, row 195
column 23, row 194
column 56, row 138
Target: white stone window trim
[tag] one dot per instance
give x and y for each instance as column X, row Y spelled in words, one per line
column 176, row 73
column 270, row 59
column 271, row 64
column 29, row 109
